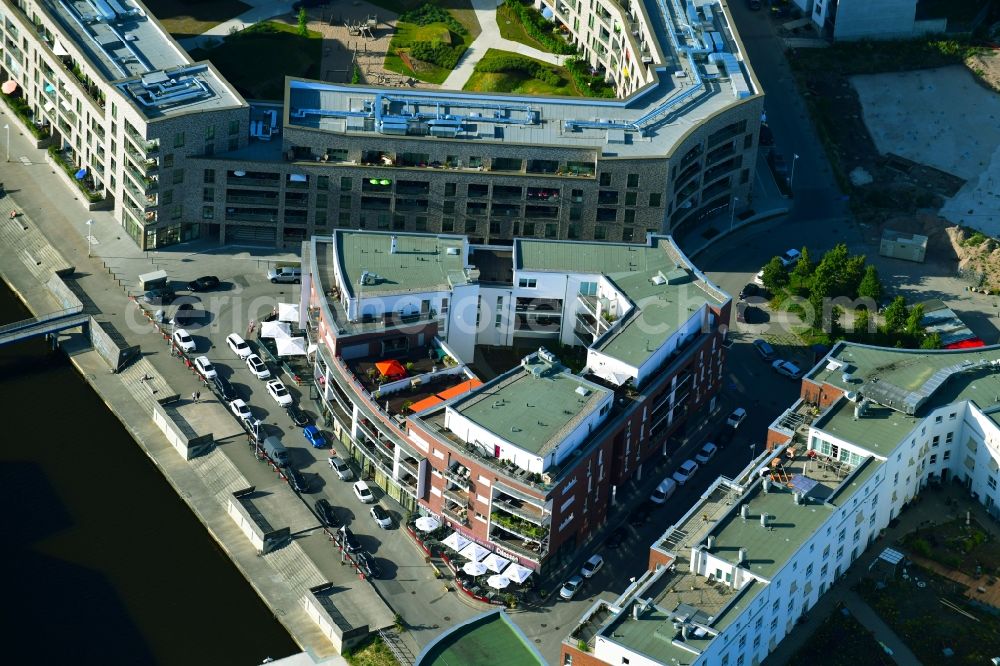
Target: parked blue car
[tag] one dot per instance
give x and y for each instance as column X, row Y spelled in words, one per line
column 314, row 436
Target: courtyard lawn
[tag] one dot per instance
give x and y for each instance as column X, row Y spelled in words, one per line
column 511, row 28
column 373, row 652
column 453, row 34
column 257, row 59
column 518, row 78
column 931, row 614
column 841, row 641
column 187, row 18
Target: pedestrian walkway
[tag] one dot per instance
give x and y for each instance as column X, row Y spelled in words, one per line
column 489, row 38
column 260, row 10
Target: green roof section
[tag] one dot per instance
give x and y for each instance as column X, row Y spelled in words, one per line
column 421, row 262
column 880, row 430
column 490, row 639
column 652, row 634
column 664, row 287
column 534, row 406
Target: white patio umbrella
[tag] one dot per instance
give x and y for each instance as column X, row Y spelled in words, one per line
column 456, row 541
column 517, row 573
column 495, row 563
column 427, row 523
column 288, row 312
column 291, row 346
column 474, row 568
column 275, row 329
column 474, row 552
column 497, row 581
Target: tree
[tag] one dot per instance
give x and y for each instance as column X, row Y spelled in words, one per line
column 775, row 275
column 854, row 270
column 932, row 341
column 862, row 322
column 303, row 22
column 913, row 325
column 895, row 315
column 803, row 269
column 871, row 285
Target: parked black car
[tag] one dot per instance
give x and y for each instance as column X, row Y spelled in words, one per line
column 347, row 538
column 224, row 389
column 161, row 296
column 327, row 514
column 298, row 417
column 204, row 283
column 368, row 565
column 297, row 480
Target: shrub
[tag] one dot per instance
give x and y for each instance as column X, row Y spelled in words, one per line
column 920, row 547
column 595, row 86
column 428, row 14
column 437, row 53
column 516, row 63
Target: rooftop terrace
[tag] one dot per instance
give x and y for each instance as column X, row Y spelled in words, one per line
column 535, row 413
column 420, row 263
column 663, row 286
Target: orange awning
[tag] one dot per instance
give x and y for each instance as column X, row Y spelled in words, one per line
column 459, row 389
column 426, row 403
column 391, row 369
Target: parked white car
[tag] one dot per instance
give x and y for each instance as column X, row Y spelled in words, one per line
column 238, row 345
column 363, row 492
column 277, row 390
column 663, row 491
column 184, row 340
column 736, row 418
column 786, row 368
column 381, row 517
column 205, row 367
column 571, row 587
column 685, row 471
column 241, row 409
column 706, row 452
column 790, row 258
column 258, row 367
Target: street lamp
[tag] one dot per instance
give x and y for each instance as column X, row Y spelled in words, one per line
column 732, row 213
column 7, row 127
column 753, row 449
column 791, row 178
column 90, row 236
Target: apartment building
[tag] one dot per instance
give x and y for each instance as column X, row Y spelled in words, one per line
column 123, row 103
column 873, row 426
column 527, row 462
column 180, row 155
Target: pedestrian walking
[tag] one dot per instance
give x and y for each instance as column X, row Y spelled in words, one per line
column 197, row 396
column 194, row 397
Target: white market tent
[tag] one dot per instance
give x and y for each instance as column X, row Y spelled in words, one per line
column 291, row 346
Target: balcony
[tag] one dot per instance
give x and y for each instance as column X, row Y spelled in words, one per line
column 247, row 199
column 411, row 465
column 533, row 551
column 459, row 476
column 524, row 510
column 459, row 497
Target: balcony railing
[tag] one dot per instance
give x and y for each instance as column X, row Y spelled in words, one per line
column 456, row 477
column 522, row 510
column 461, row 516
column 457, row 496
column 533, row 552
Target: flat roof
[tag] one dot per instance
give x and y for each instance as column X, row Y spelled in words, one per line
column 660, row 309
column 488, row 639
column 693, row 79
column 125, row 43
column 421, row 263
column 533, row 413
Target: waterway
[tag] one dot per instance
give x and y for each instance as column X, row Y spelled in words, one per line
column 104, row 563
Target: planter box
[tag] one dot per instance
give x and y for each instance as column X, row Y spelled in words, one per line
column 103, row 204
column 16, row 119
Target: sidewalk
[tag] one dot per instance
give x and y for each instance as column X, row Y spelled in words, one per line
column 261, row 10
column 489, row 38
column 766, row 202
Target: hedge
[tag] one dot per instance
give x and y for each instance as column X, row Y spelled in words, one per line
column 595, row 86
column 515, row 63
column 428, row 14
column 437, row 53
column 539, row 29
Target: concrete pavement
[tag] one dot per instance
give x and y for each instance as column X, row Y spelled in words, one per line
column 260, row 10
column 489, row 38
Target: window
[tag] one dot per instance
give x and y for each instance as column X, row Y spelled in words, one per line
column 934, row 459
column 840, row 552
column 654, row 199
column 234, row 127
column 743, row 641
column 774, row 606
column 449, row 189
column 178, row 176
column 951, row 417
column 208, row 194
column 632, row 180
column 527, row 283
column 857, row 535
column 210, row 133
column 947, row 455
column 167, row 197
column 209, row 176
column 179, row 140
column 605, row 180
column 175, row 212
column 322, row 182
column 842, row 535
column 631, row 198
column 448, row 208
column 949, row 437
column 757, row 625
column 207, row 213
column 992, row 482
column 498, row 322
column 448, row 224
column 809, row 569
column 345, row 200
column 600, row 232
column 936, row 440
column 168, row 160
column 937, row 419
column 588, row 288
column 629, row 216
column 346, row 184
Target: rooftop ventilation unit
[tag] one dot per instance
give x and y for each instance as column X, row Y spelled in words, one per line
column 658, row 279
column 546, row 355
column 582, row 390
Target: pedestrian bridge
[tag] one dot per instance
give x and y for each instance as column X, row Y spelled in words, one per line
column 53, row 322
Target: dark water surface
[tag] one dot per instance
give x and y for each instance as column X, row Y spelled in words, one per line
column 104, row 563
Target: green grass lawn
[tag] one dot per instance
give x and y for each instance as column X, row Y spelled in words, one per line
column 257, row 59
column 186, row 18
column 408, row 33
column 511, row 28
column 520, row 81
column 373, row 652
